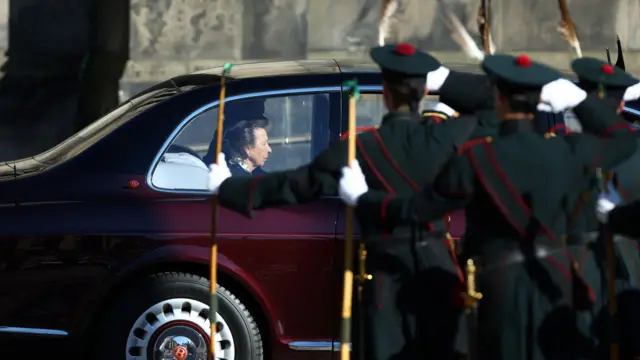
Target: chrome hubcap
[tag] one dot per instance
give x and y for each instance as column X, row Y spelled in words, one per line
column 178, row 329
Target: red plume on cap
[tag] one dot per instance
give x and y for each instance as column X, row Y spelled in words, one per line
column 405, row 49
column 607, row 69
column 523, row 61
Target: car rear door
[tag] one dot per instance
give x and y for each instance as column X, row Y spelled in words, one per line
column 282, row 258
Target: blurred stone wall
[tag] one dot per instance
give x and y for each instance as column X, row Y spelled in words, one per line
column 173, row 37
column 169, row 37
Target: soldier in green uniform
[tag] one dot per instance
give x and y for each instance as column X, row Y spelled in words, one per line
column 517, row 190
column 393, row 299
column 583, row 235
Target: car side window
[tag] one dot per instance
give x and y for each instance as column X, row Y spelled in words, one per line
column 632, row 116
column 260, row 135
column 370, row 108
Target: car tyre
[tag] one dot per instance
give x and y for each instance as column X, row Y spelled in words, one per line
column 122, row 323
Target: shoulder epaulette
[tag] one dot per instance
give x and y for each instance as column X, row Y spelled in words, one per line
column 471, row 143
column 435, row 114
column 358, row 131
column 439, row 116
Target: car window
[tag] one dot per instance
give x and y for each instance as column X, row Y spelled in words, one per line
column 370, row 108
column 260, row 135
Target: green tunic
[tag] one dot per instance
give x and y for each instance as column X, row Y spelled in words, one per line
column 587, row 244
column 401, row 156
column 515, row 226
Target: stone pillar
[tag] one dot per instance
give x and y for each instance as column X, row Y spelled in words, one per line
column 48, row 41
column 108, row 53
column 626, row 24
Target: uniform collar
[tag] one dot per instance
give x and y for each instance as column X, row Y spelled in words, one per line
column 516, row 126
column 400, row 115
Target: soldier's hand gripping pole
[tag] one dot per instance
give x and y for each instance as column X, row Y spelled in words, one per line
column 472, row 297
column 213, row 266
column 347, row 290
column 614, row 347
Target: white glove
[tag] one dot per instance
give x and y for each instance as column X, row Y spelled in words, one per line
column 436, row 78
column 218, row 173
column 560, row 95
column 632, row 93
column 352, row 184
column 606, row 203
column 603, row 207
column 445, row 109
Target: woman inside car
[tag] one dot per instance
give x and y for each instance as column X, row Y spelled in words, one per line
column 247, row 146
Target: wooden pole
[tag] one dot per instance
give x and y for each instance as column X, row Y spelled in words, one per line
column 213, row 266
column 347, row 290
column 614, row 347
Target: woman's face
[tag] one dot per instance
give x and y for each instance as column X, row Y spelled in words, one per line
column 258, row 154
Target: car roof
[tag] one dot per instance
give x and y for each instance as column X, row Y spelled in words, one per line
column 247, row 70
column 252, row 70
column 294, row 67
column 301, row 67
column 275, row 68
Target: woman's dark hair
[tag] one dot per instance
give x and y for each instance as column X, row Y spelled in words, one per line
column 241, row 136
column 234, row 140
column 519, row 100
column 404, row 90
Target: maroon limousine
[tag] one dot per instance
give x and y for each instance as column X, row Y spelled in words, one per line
column 105, row 237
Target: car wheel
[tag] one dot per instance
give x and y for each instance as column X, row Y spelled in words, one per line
column 167, row 317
